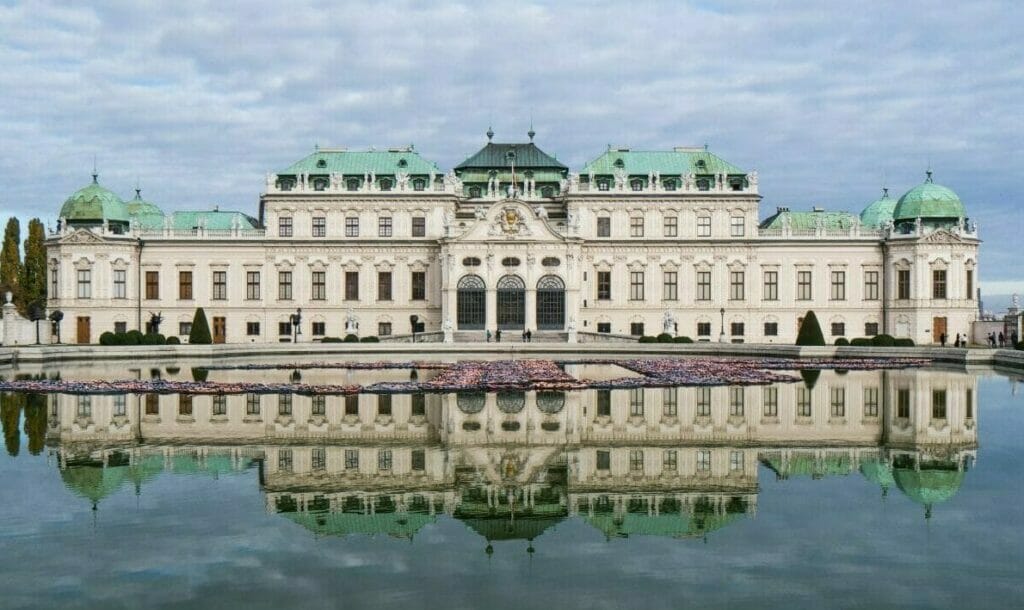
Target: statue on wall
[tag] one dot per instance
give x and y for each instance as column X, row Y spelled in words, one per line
column 668, row 322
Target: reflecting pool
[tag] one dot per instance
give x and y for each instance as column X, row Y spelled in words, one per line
column 869, row 489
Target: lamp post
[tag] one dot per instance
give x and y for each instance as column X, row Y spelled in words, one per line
column 296, row 319
column 55, row 317
column 721, row 337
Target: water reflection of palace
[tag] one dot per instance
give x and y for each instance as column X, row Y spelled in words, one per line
column 671, row 462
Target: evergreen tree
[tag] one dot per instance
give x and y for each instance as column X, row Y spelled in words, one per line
column 33, row 271
column 810, row 331
column 35, row 422
column 10, row 259
column 10, row 417
column 200, row 334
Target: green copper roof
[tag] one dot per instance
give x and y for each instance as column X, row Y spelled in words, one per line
column 140, row 207
column 506, row 176
column 809, row 220
column 396, row 524
column 929, row 486
column 504, row 528
column 929, row 200
column 879, row 211
column 94, row 203
column 379, row 162
column 214, row 220
column 496, row 156
column 878, row 472
column 663, row 162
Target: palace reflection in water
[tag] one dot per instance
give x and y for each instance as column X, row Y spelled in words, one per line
column 675, row 462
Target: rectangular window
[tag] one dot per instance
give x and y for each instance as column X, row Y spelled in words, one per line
column 838, row 286
column 351, row 459
column 252, row 285
column 384, row 404
column 771, row 329
column 220, row 405
column 736, row 226
column 838, row 402
column 84, row 406
column 384, row 226
column 383, row 285
column 120, row 408
column 319, row 287
column 185, row 285
column 54, row 278
column 636, row 226
column 736, row 285
column 152, row 284
column 419, row 460
column 604, row 327
column 604, row 459
column 671, row 226
column 220, row 285
column 383, row 459
column 84, row 284
column 636, row 402
column 703, row 329
column 352, row 404
column 120, row 327
column 284, row 226
column 120, row 284
column 419, row 285
column 871, row 329
column 704, row 402
column 703, row 286
column 284, row 460
column 604, row 403
column 604, row 226
column 604, row 285
column 351, row 285
column 185, row 405
column 735, row 461
column 737, row 401
column 418, row 403
column 969, row 404
column 419, row 226
column 903, row 284
column 938, row 283
column 670, row 460
column 319, row 226
column 970, row 284
column 284, row 329
column 318, row 405
column 636, row 460
column 636, row 285
column 252, row 329
column 803, row 286
column 352, row 226
column 903, row 403
column 938, row 404
column 771, row 286
column 152, row 404
column 636, row 329
column 736, row 329
column 703, row 226
column 184, row 328
column 670, row 402
column 803, row 402
column 383, row 329
column 870, row 285
column 703, row 460
column 319, row 329
column 284, row 404
column 838, row 329
column 318, row 458
column 284, row 285
column 252, row 404
column 870, row 402
column 670, row 291
column 770, row 401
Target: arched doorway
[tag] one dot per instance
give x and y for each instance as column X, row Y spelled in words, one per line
column 550, row 303
column 471, row 303
column 511, row 303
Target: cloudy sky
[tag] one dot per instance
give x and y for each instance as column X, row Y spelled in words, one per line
column 829, row 101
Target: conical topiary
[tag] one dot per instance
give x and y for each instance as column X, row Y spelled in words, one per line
column 200, row 329
column 810, row 331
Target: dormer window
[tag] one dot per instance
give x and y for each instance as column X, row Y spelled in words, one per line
column 703, row 184
column 320, row 184
column 385, row 184
column 285, row 184
column 352, row 184
column 474, row 192
column 402, row 163
column 619, row 163
column 602, row 185
column 701, row 164
column 670, row 185
column 322, row 163
column 736, row 184
column 547, row 191
column 636, row 185
column 419, row 184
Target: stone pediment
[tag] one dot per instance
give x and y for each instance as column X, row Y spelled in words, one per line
column 942, row 236
column 510, row 220
column 82, row 236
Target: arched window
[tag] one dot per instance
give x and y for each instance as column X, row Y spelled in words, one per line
column 419, row 184
column 471, row 261
column 619, row 163
column 550, row 261
column 510, row 282
column 402, row 163
column 511, row 305
column 322, row 163
column 471, row 302
column 550, row 303
column 550, row 402
column 470, row 402
column 511, row 402
column 510, row 261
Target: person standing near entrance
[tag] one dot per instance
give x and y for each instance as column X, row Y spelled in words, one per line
column 497, row 336
column 1002, row 340
column 529, row 336
column 488, row 335
column 942, row 339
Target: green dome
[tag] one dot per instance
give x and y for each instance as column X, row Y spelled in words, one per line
column 140, row 207
column 929, row 486
column 929, row 200
column 878, row 472
column 879, row 212
column 94, row 204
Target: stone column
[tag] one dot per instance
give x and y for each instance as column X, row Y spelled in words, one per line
column 531, row 308
column 491, row 309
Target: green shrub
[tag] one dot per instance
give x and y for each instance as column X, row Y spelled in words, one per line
column 903, row 342
column 810, row 377
column 200, row 334
column 682, row 340
column 132, row 337
column 350, row 338
column 369, row 340
column 664, row 338
column 331, row 340
column 810, row 331
column 107, row 338
column 172, row 340
column 200, row 374
column 1020, row 346
column 842, row 342
column 647, row 339
column 153, row 339
column 883, row 341
column 861, row 342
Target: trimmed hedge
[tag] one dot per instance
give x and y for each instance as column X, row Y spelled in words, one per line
column 861, row 342
column 200, row 334
column 904, row 342
column 883, row 341
column 682, row 340
column 134, row 337
column 331, row 340
column 369, row 340
column 647, row 339
column 350, row 338
column 842, row 342
column 664, row 338
column 810, row 331
column 172, row 340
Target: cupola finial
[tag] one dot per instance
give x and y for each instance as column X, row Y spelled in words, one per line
column 531, row 133
column 885, row 192
column 929, row 175
column 95, row 174
column 490, row 134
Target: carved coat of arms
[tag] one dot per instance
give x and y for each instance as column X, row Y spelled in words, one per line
column 511, row 220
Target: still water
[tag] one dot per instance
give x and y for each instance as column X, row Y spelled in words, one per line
column 864, row 489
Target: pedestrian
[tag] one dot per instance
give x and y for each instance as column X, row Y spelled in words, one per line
column 497, row 336
column 1002, row 340
column 529, row 336
column 1014, row 339
column 524, row 335
column 488, row 335
column 956, row 343
column 942, row 339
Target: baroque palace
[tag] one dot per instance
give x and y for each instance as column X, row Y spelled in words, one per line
column 383, row 242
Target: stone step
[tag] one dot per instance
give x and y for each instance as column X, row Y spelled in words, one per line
column 511, row 336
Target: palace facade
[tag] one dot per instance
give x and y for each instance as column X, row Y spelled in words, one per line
column 385, row 243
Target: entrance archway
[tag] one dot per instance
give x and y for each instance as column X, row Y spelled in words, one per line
column 471, row 303
column 511, row 303
column 550, row 303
